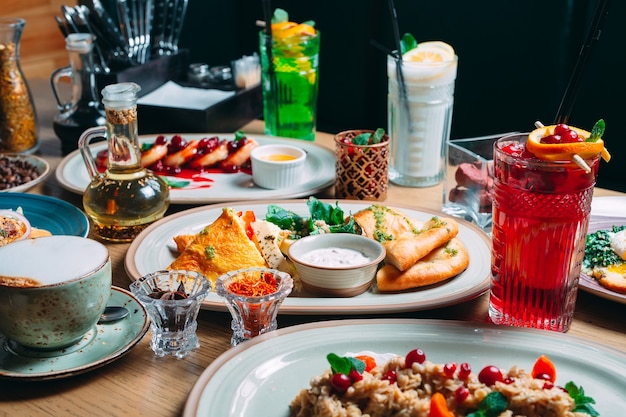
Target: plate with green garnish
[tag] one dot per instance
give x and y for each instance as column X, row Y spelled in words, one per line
column 604, row 269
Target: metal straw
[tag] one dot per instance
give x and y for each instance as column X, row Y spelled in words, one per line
column 398, row 56
column 571, row 91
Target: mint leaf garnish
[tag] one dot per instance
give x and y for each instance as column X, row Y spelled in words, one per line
column 407, row 43
column 582, row 402
column 597, row 131
column 343, row 365
column 280, row 15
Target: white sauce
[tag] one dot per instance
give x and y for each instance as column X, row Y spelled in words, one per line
column 335, row 257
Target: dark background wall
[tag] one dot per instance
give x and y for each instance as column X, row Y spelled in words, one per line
column 515, row 59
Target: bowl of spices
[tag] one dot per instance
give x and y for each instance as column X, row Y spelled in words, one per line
column 277, row 166
column 19, row 173
column 253, row 297
column 336, row 264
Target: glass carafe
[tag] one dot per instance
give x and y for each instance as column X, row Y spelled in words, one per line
column 83, row 109
column 18, row 119
column 123, row 198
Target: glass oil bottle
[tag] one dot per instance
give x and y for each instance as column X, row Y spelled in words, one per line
column 123, row 198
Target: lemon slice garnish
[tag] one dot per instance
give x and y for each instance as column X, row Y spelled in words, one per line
column 433, row 51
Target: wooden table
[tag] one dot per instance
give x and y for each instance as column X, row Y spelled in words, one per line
column 139, row 384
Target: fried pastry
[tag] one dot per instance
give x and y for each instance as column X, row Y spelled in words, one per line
column 406, row 240
column 407, row 249
column 220, row 247
column 439, row 265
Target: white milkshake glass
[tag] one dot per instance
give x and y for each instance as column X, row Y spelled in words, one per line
column 420, row 117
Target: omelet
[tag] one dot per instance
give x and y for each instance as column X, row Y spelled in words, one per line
column 220, row 247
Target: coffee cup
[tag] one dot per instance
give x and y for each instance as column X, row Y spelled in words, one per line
column 52, row 290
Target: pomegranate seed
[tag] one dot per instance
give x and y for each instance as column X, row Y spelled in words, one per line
column 548, row 385
column 489, row 375
column 355, row 375
column 390, row 376
column 508, row 380
column 448, row 369
column 416, row 355
column 464, row 370
column 340, row 382
column 461, row 394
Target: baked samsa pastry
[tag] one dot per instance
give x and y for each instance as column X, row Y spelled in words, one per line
column 404, row 251
column 439, row 265
column 220, row 247
column 406, row 240
column 383, row 223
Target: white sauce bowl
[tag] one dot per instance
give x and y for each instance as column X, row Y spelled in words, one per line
column 337, row 281
column 277, row 166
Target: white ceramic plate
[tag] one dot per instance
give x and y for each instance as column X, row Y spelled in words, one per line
column 589, row 284
column 42, row 166
column 263, row 375
column 150, row 251
column 216, row 187
column 608, row 206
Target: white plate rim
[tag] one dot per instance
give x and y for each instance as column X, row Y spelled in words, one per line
column 589, row 284
column 42, row 165
column 526, row 341
column 459, row 288
column 321, row 162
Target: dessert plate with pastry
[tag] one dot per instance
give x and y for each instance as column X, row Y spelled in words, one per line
column 39, row 215
column 604, row 265
column 431, row 260
column 209, row 168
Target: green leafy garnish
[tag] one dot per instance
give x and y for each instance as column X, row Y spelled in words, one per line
column 369, row 138
column 597, row 131
column 344, row 364
column 598, row 250
column 323, row 218
column 174, row 183
column 582, row 402
column 491, row 406
column 407, row 43
column 239, row 135
column 280, row 15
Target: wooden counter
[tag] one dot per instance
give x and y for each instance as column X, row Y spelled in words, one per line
column 139, row 384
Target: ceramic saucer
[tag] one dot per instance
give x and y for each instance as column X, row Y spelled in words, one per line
column 100, row 346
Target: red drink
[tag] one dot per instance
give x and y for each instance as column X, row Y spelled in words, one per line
column 540, row 217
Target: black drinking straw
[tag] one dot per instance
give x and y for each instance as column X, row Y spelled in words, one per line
column 571, row 91
column 398, row 55
column 267, row 12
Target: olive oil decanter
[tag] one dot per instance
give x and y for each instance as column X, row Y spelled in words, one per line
column 124, row 198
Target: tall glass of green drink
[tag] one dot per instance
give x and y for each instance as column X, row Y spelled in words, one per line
column 289, row 79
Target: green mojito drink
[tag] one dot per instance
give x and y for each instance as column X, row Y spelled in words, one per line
column 289, row 78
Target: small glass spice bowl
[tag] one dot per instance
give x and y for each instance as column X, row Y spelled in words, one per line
column 253, row 296
column 172, row 299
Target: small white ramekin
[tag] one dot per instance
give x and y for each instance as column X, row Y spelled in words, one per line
column 276, row 174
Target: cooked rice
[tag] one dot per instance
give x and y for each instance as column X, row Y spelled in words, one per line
column 410, row 395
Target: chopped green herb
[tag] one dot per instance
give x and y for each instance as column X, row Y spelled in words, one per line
column 210, row 252
column 598, row 250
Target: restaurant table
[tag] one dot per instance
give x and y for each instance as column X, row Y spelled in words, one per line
column 140, row 384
